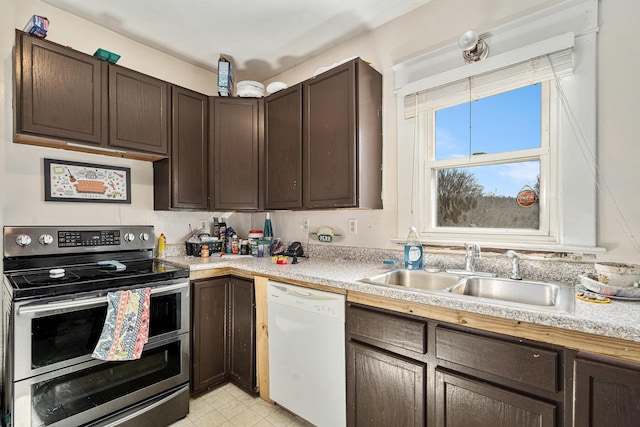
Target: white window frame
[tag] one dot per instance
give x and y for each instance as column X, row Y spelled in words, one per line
column 572, row 226
column 427, row 184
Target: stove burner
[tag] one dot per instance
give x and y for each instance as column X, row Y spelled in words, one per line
column 49, row 278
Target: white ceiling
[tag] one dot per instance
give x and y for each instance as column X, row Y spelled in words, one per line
column 263, row 38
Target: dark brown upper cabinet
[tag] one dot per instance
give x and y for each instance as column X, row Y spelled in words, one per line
column 237, row 153
column 59, row 93
column 181, row 181
column 68, row 99
column 283, row 149
column 342, row 138
column 138, row 111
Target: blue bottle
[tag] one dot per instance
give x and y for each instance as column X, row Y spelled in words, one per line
column 268, row 230
column 413, row 251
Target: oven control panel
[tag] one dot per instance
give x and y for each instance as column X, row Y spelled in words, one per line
column 88, row 238
column 45, row 240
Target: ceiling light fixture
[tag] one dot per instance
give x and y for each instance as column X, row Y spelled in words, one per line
column 473, row 49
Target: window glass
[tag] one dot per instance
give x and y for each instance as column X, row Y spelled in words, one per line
column 493, row 196
column 500, row 123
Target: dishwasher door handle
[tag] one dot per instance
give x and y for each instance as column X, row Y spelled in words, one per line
column 304, row 294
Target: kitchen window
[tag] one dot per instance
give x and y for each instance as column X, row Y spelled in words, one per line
column 502, row 151
column 482, row 158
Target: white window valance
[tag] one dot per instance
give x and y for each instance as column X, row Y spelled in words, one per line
column 531, row 71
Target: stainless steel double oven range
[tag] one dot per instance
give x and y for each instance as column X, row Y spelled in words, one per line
column 56, row 281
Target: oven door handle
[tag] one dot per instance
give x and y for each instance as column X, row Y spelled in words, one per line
column 62, row 305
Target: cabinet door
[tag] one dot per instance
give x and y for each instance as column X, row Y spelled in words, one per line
column 606, row 395
column 181, row 182
column 383, row 389
column 60, row 92
column 209, row 333
column 138, row 111
column 283, row 149
column 329, row 139
column 236, row 153
column 242, row 360
column 462, row 402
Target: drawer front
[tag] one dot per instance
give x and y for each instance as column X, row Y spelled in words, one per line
column 520, row 363
column 387, row 330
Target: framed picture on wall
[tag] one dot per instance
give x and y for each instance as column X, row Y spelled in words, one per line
column 66, row 181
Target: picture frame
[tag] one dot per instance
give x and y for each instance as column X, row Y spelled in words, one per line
column 67, row 181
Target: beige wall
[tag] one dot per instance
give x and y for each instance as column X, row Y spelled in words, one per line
column 434, row 25
column 439, row 23
column 21, row 166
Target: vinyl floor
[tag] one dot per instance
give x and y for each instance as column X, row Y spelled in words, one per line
column 230, row 406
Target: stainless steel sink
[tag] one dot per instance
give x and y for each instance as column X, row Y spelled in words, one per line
column 418, row 279
column 518, row 293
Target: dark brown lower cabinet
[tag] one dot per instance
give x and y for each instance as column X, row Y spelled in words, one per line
column 223, row 333
column 210, row 301
column 607, row 393
column 465, row 402
column 242, row 360
column 384, row 389
column 404, row 370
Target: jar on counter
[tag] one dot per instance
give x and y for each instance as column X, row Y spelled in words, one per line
column 204, row 251
column 244, row 247
column 254, row 236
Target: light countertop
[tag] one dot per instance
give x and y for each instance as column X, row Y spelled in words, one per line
column 618, row 319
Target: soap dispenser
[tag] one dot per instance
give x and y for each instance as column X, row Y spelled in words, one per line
column 413, row 251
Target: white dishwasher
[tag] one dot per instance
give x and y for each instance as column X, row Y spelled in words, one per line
column 307, row 353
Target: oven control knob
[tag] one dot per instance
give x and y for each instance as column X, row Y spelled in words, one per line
column 129, row 237
column 46, row 239
column 23, row 240
column 144, row 236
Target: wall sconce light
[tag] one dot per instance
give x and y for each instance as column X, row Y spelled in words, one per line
column 473, row 49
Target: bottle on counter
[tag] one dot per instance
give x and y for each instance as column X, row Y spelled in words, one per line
column 268, row 230
column 222, row 230
column 235, row 244
column 216, row 228
column 162, row 245
column 413, row 251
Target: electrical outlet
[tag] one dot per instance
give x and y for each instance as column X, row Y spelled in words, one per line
column 353, row 226
column 305, row 224
column 204, row 225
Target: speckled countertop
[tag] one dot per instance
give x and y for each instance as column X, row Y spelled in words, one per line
column 619, row 319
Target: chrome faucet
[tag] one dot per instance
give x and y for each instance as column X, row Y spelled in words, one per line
column 472, row 252
column 515, row 265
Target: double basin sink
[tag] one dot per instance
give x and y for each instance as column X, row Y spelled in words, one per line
column 542, row 296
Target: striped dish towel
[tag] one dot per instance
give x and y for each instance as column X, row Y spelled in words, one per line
column 126, row 327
